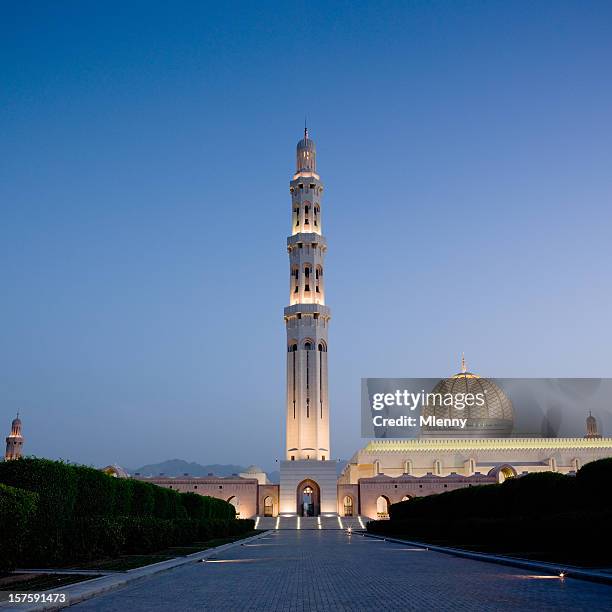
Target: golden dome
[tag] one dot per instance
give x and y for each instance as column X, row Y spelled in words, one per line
column 493, row 417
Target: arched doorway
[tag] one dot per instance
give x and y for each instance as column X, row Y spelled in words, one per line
column 348, row 506
column 308, row 498
column 503, row 472
column 506, row 472
column 236, row 503
column 268, row 506
column 382, row 507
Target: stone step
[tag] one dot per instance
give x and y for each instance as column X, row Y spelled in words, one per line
column 356, row 523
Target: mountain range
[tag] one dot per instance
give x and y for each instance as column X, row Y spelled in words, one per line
column 180, row 467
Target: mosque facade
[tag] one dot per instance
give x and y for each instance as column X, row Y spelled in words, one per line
column 384, row 471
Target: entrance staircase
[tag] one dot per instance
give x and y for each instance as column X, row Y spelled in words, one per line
column 330, row 521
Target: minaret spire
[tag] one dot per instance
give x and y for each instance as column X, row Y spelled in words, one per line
column 307, row 476
column 14, row 441
column 307, row 316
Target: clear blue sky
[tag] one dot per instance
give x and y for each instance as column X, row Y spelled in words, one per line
column 146, row 149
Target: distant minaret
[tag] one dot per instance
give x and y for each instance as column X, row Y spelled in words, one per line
column 591, row 427
column 306, row 317
column 14, row 442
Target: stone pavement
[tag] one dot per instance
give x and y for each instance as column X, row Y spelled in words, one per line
column 299, row 571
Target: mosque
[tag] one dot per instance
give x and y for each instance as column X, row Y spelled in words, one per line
column 385, row 471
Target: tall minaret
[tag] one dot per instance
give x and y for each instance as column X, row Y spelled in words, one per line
column 307, row 317
column 14, row 442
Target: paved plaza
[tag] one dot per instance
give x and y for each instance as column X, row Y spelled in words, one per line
column 328, row 570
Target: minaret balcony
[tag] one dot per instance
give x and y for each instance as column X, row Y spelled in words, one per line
column 306, row 239
column 315, row 309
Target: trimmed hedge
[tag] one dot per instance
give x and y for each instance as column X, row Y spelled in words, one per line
column 199, row 506
column 529, row 495
column 55, row 483
column 73, row 512
column 17, row 509
column 547, row 513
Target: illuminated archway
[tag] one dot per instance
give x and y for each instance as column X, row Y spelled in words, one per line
column 503, row 472
column 382, row 507
column 268, row 506
column 308, row 497
column 348, row 506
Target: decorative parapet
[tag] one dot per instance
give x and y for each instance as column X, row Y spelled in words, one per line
column 377, row 446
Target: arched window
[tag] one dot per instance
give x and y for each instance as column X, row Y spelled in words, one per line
column 348, row 506
column 382, row 507
column 322, row 347
column 295, row 273
column 308, row 346
column 318, row 278
column 268, row 506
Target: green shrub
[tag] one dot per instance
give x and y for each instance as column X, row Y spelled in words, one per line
column 146, row 535
column 123, row 493
column 95, row 494
column 94, row 537
column 143, row 497
column 167, row 503
column 55, row 482
column 70, row 513
column 544, row 513
column 201, row 506
column 209, row 529
column 594, row 484
column 17, row 510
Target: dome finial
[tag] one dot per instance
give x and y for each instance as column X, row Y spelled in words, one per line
column 463, row 366
column 305, row 129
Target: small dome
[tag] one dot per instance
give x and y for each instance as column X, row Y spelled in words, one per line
column 16, row 427
column 493, row 419
column 306, row 144
column 116, row 471
column 253, row 469
column 306, row 154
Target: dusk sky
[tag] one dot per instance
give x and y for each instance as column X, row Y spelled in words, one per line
column 146, row 151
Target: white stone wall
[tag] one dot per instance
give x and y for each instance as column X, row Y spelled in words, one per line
column 323, row 473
